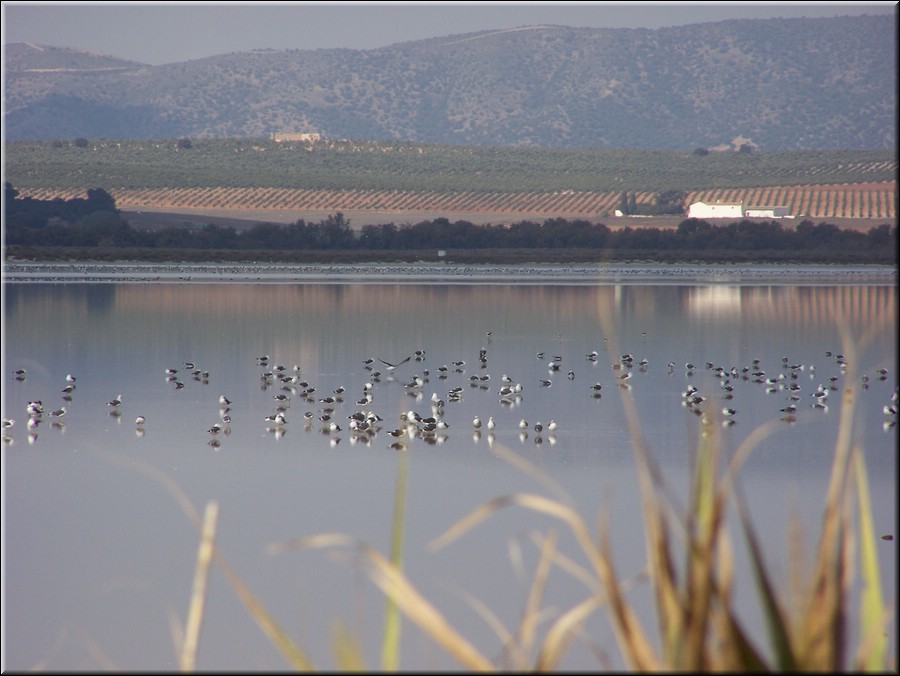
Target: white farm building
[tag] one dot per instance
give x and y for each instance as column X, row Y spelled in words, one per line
column 716, row 210
column 767, row 212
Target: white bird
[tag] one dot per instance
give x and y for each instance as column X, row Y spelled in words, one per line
column 551, row 426
column 224, row 401
column 490, row 423
column 139, row 420
column 476, row 422
column 277, row 418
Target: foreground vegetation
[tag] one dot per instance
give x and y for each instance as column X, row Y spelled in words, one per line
column 820, row 624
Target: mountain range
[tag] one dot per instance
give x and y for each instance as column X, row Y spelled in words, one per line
column 770, row 84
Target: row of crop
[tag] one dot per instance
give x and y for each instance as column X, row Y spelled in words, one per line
column 819, row 201
column 878, row 201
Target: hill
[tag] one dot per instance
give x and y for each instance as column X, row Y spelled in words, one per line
column 774, row 84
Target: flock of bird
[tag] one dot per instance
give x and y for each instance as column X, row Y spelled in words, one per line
column 328, row 413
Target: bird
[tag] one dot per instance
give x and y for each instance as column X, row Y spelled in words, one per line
column 115, row 403
column 490, row 423
column 139, row 420
column 476, row 422
column 391, row 366
column 224, row 401
column 277, row 418
column 58, row 413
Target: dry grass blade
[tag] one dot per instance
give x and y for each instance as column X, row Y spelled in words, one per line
column 395, row 586
column 528, row 626
column 295, row 657
column 347, row 651
column 561, row 634
column 533, row 471
column 574, row 569
column 873, row 615
column 632, row 638
column 391, row 648
column 188, row 660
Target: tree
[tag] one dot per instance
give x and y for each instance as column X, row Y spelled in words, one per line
column 701, row 152
column 671, row 201
column 184, row 144
column 100, row 200
column 623, row 202
column 81, row 142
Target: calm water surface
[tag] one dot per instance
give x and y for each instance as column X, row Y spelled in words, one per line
column 99, row 554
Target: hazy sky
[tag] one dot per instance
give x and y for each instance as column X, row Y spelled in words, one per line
column 166, row 32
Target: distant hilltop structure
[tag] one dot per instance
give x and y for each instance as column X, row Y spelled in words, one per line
column 735, row 210
column 284, row 136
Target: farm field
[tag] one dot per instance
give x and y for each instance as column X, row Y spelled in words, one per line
column 859, row 203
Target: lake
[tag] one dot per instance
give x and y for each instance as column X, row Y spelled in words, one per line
column 99, row 552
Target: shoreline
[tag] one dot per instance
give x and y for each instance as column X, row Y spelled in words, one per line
column 447, row 273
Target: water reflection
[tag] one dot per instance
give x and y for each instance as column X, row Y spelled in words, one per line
column 94, row 540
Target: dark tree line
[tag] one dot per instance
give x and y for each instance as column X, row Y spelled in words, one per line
column 95, row 222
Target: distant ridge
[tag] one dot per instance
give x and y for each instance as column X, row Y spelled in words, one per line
column 775, row 84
